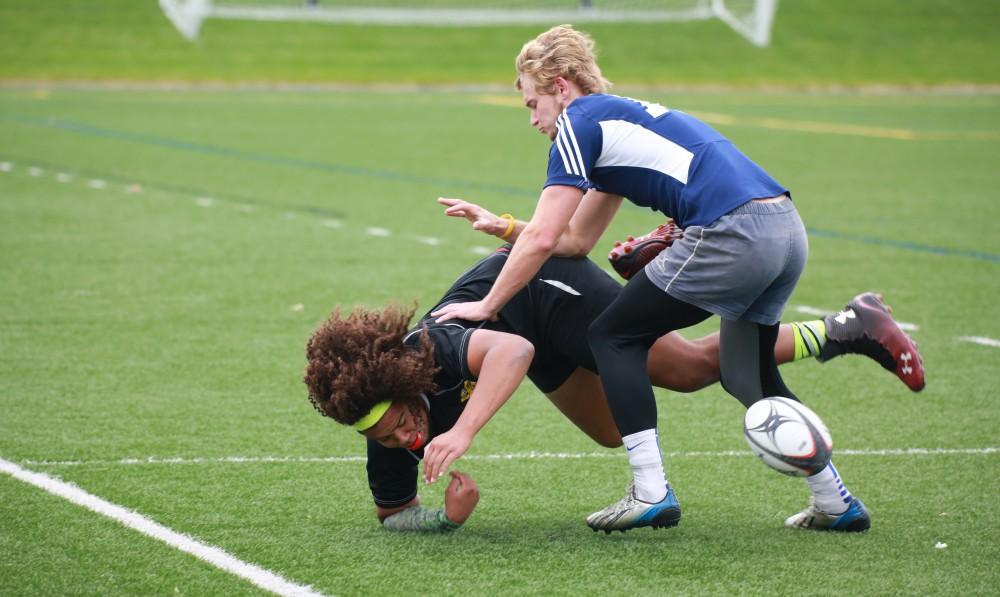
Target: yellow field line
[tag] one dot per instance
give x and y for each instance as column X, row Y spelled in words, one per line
column 507, row 101
column 802, row 126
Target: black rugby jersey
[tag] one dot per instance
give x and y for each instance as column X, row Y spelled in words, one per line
column 552, row 312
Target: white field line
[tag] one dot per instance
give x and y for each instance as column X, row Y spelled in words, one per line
column 428, row 240
column 432, row 241
column 215, row 556
column 813, row 311
column 202, row 201
column 980, row 340
column 503, row 456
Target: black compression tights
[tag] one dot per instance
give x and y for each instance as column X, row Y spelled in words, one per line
column 746, row 356
column 621, row 336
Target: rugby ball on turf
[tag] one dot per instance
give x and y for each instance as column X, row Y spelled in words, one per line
column 788, row 436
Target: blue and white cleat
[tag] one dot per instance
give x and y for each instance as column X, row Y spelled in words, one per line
column 854, row 520
column 631, row 513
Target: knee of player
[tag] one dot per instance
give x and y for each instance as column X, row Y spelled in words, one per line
column 527, row 349
column 743, row 390
column 727, row 385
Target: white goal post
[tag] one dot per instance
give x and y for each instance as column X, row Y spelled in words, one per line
column 750, row 18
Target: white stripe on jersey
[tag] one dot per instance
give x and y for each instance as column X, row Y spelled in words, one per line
column 565, row 141
column 562, row 153
column 576, row 147
column 627, row 144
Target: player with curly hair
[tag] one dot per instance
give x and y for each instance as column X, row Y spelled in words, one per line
column 423, row 391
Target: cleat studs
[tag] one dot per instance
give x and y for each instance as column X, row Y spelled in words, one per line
column 629, row 238
column 618, row 243
column 628, row 250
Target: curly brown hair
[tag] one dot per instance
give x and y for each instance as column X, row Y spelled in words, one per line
column 357, row 361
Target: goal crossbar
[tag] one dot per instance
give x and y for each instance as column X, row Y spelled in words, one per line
column 188, row 15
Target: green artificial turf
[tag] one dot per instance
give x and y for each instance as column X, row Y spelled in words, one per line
column 815, row 43
column 164, row 257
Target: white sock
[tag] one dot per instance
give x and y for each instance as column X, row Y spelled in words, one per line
column 647, row 465
column 829, row 493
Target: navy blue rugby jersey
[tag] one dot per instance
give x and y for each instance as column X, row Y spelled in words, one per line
column 659, row 158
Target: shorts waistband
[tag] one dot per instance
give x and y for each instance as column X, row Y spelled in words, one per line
column 759, row 207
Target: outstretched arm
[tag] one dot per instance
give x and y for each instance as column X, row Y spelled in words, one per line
column 534, row 245
column 500, row 361
column 583, row 231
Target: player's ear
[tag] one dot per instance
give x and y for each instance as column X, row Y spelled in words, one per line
column 562, row 86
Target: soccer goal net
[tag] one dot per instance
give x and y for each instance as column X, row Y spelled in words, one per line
column 750, row 18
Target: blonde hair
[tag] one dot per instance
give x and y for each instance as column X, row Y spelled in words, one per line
column 560, row 52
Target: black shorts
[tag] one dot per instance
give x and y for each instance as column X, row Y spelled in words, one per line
column 554, row 312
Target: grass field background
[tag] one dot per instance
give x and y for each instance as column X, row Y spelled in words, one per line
column 815, row 43
column 165, row 255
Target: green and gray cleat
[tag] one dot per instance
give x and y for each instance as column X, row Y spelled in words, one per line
column 854, row 520
column 631, row 513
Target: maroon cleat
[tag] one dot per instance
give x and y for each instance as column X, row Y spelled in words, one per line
column 631, row 256
column 866, row 327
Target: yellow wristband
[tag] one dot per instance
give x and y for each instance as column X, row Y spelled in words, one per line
column 511, row 222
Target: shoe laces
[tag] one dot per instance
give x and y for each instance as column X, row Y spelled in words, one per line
column 626, row 503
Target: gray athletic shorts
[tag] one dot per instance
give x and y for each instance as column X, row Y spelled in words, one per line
column 742, row 266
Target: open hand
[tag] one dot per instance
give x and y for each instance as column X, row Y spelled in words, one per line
column 475, row 311
column 480, row 218
column 442, row 451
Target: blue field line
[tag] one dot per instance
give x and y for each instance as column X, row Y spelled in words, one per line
column 389, row 175
column 275, row 160
column 904, row 245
